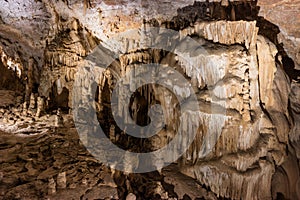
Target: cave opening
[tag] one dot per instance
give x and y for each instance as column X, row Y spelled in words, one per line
column 139, row 106
column 58, row 99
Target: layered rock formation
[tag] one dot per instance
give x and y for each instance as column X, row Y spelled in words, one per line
column 246, row 129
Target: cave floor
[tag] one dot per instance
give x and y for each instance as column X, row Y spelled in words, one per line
column 41, row 161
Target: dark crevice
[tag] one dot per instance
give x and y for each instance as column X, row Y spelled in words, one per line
column 141, row 185
column 271, row 31
column 213, row 11
column 9, row 80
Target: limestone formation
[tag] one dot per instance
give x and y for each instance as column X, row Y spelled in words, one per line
column 58, row 119
column 234, row 32
column 242, row 68
column 40, row 106
column 25, row 106
column 32, row 102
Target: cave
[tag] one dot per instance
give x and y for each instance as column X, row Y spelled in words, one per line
column 174, row 100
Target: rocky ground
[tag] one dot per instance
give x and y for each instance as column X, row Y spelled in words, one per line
column 40, row 160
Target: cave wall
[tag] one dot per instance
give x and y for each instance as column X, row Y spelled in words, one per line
column 284, row 14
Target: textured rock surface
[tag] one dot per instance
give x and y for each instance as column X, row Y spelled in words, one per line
column 247, row 128
column 286, row 15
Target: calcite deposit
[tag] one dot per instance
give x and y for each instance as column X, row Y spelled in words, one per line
column 224, row 72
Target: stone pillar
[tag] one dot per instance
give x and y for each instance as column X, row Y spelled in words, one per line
column 32, row 102
column 40, row 106
column 59, row 121
column 24, row 112
column 29, row 79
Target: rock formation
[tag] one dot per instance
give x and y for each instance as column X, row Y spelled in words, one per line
column 240, row 69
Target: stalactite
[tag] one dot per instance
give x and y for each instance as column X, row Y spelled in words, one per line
column 235, row 185
column 246, row 97
column 204, row 69
column 232, row 32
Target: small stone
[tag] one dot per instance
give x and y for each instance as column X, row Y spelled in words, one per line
column 11, row 121
column 84, row 182
column 5, row 120
column 131, row 196
column 108, row 180
column 72, row 186
column 51, row 186
column 61, row 180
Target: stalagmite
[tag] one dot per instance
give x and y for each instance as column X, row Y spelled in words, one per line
column 58, row 119
column 32, row 103
column 40, row 106
column 25, row 106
